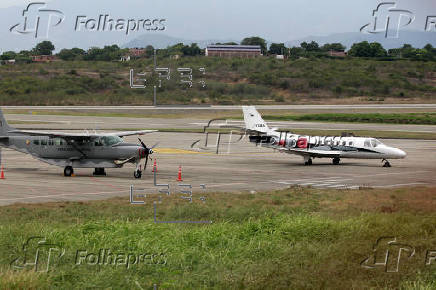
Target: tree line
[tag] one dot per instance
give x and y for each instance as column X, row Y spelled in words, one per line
column 306, row 49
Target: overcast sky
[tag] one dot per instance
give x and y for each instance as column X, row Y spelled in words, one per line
column 211, row 19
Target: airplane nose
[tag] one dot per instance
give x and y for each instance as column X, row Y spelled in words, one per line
column 401, row 153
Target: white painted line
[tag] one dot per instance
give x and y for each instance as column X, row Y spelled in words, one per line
column 308, row 183
column 224, row 184
column 397, row 185
column 338, row 185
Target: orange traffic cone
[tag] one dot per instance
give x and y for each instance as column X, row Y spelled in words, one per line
column 154, row 166
column 2, row 174
column 179, row 178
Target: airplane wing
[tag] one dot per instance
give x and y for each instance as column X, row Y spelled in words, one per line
column 131, row 133
column 78, row 136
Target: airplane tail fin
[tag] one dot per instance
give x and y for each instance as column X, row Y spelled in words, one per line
column 253, row 120
column 4, row 126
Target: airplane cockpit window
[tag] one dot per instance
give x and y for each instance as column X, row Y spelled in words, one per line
column 111, row 140
column 375, row 142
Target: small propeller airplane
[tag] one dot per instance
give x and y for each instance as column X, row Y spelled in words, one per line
column 311, row 147
column 78, row 150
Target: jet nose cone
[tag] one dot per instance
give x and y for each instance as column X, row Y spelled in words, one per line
column 401, row 153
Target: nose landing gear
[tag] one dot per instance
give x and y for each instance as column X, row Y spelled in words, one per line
column 137, row 174
column 386, row 163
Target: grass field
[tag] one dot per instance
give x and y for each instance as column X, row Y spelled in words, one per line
column 405, row 118
column 229, row 81
column 298, row 238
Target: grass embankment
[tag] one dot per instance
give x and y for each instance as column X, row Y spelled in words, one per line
column 298, row 238
column 404, row 118
column 229, row 81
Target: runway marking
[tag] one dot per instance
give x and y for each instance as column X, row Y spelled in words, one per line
column 322, row 182
column 177, row 151
column 392, row 173
column 403, row 184
column 225, row 184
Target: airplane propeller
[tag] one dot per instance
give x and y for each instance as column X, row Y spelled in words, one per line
column 148, row 151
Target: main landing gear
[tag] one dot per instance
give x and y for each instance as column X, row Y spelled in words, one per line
column 99, row 172
column 68, row 171
column 308, row 161
column 386, row 163
column 336, row 161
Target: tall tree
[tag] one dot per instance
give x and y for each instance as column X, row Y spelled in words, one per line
column 278, row 48
column 44, row 48
column 310, row 47
column 255, row 40
column 333, row 46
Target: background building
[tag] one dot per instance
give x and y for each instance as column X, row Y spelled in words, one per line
column 247, row 51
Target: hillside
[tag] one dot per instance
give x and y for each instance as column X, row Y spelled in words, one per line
column 229, row 81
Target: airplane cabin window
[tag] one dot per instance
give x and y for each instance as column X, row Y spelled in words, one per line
column 50, row 142
column 350, row 143
column 57, row 141
column 36, row 142
column 367, row 143
column 44, row 142
column 111, row 140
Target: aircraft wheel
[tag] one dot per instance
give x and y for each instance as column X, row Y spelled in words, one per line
column 308, row 162
column 68, row 171
column 336, row 161
column 387, row 164
column 99, row 172
column 137, row 174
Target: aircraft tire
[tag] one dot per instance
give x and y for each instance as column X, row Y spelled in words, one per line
column 68, row 171
column 336, row 161
column 137, row 174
